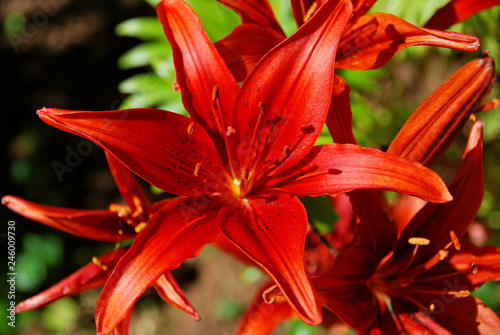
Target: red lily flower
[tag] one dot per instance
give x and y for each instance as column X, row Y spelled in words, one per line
column 117, row 224
column 457, row 11
column 241, row 161
column 369, row 41
column 416, row 275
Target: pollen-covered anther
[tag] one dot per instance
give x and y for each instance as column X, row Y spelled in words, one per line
column 140, row 227
column 120, row 232
column 461, row 294
column 429, row 310
column 197, row 169
column 310, row 11
column 120, row 209
column 262, row 108
column 215, row 93
column 418, row 241
column 475, row 270
column 190, row 129
column 443, row 254
column 97, row 262
column 230, row 130
column 454, row 239
column 473, row 117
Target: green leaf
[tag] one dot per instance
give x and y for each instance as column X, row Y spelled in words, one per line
column 145, row 54
column 144, row 28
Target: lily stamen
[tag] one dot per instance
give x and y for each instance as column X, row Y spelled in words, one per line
column 310, row 11
column 97, row 262
column 140, row 227
column 190, row 129
column 197, row 169
column 215, row 93
column 454, row 239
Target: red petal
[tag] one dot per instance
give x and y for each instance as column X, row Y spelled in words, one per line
column 99, row 225
column 435, row 221
column 343, row 233
column 257, row 12
column 335, row 168
column 339, row 119
column 295, row 102
column 245, row 46
column 199, row 67
column 127, row 183
column 457, row 11
column 176, row 232
column 89, row 276
column 344, row 291
column 122, row 327
column 375, row 38
column 170, row 291
column 360, row 7
column 262, row 318
column 154, row 144
column 376, row 232
column 433, row 126
column 271, row 229
column 460, row 316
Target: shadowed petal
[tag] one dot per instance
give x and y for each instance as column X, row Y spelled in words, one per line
column 271, row 229
column 122, row 327
column 343, row 290
column 456, row 11
column 198, row 66
column 127, row 183
column 433, row 126
column 262, row 318
column 339, row 119
column 255, row 11
column 335, row 168
column 99, row 225
column 375, row 38
column 278, row 116
column 245, row 46
column 154, row 144
column 176, row 232
column 434, row 222
column 170, row 291
column 89, row 276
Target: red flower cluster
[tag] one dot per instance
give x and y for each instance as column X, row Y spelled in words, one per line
column 240, row 162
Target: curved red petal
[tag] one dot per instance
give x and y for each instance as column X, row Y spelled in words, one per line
column 335, row 168
column 430, row 130
column 282, row 105
column 457, row 11
column 245, row 46
column 122, row 327
column 99, row 225
column 255, row 12
column 154, row 144
column 198, row 66
column 177, row 231
column 170, row 291
column 271, row 229
column 375, row 38
column 130, row 189
column 87, row 277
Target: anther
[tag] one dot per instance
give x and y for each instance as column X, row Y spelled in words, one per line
column 418, row 241
column 443, row 254
column 120, row 232
column 190, row 128
column 475, row 270
column 97, row 262
column 140, row 227
column 215, row 93
column 429, row 310
column 462, row 294
column 454, row 239
column 121, row 210
column 197, row 169
column 262, row 108
column 473, row 117
column 230, row 130
column 310, row 11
